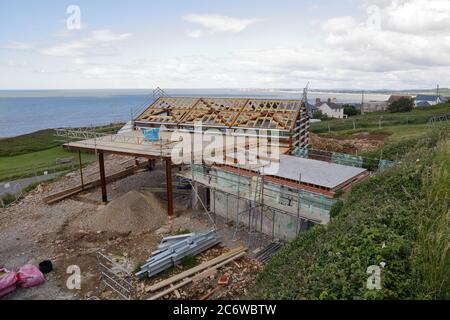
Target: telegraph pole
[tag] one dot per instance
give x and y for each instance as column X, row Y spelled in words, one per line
column 437, row 94
column 362, row 103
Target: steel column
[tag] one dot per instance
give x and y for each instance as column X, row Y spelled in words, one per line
column 81, row 170
column 169, row 186
column 101, row 160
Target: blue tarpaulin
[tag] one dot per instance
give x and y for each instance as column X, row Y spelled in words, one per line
column 151, row 135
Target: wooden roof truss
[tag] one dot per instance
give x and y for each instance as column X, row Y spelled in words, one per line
column 225, row 113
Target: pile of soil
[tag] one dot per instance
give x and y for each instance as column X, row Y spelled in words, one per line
column 363, row 142
column 134, row 212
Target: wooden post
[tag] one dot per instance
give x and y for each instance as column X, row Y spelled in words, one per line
column 169, row 187
column 81, row 170
column 101, row 160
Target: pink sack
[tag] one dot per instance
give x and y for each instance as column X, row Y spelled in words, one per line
column 8, row 281
column 30, row 276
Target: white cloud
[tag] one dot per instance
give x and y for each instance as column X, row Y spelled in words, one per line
column 346, row 52
column 81, row 47
column 70, row 49
column 213, row 23
column 107, row 36
column 19, row 46
column 417, row 16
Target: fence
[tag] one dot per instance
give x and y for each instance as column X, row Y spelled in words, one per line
column 373, row 121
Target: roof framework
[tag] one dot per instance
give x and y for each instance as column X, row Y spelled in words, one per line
column 225, row 113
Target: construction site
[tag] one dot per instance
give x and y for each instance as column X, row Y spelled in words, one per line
column 226, row 182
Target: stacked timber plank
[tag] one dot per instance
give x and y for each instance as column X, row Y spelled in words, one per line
column 195, row 274
column 173, row 250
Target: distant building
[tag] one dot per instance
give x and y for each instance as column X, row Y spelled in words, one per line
column 423, row 101
column 330, row 108
column 311, row 108
column 374, row 106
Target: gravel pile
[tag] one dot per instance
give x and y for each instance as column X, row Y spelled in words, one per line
column 134, row 212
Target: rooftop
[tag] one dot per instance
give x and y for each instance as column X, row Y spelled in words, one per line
column 223, row 113
column 314, row 172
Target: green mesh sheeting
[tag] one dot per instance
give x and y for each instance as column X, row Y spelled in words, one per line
column 302, row 153
column 347, row 160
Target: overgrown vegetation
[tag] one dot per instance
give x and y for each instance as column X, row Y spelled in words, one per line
column 400, row 217
column 350, row 110
column 401, row 105
column 7, row 199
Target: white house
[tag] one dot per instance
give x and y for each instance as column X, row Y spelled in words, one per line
column 330, row 108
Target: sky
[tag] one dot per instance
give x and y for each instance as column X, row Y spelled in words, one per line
column 346, row 44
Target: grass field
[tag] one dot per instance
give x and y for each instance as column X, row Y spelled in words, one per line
column 35, row 153
column 35, row 163
column 37, row 141
column 393, row 123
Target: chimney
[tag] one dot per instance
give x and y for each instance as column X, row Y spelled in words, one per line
column 329, row 99
column 317, row 100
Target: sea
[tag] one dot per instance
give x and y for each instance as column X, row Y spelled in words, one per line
column 27, row 111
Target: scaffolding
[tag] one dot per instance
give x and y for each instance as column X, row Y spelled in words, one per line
column 261, row 210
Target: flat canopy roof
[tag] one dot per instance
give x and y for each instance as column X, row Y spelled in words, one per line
column 319, row 173
column 131, row 143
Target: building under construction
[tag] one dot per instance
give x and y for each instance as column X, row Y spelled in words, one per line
column 278, row 194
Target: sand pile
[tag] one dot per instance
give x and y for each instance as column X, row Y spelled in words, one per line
column 133, row 212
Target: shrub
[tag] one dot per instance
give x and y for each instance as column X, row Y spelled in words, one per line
column 7, row 199
column 350, row 110
column 320, row 115
column 402, row 105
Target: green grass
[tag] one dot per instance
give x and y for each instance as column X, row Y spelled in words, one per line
column 29, row 164
column 400, row 217
column 390, row 122
column 189, row 262
column 34, row 153
column 37, row 141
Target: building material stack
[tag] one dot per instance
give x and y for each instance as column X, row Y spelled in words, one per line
column 173, row 250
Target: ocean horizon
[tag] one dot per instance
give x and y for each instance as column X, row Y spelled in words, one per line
column 27, row 111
